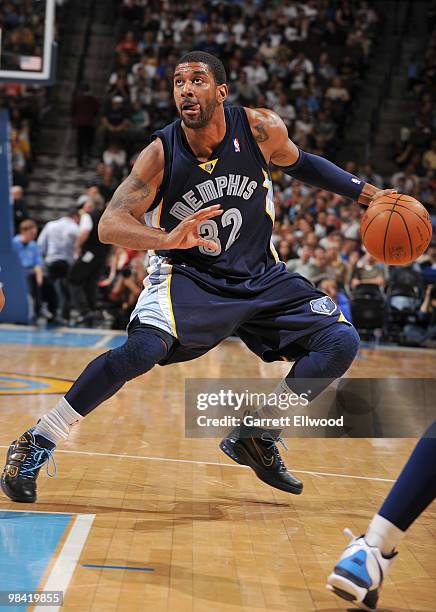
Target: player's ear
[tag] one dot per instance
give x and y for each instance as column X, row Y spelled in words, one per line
column 221, row 92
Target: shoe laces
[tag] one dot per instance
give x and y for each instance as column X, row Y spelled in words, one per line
column 272, row 442
column 350, row 534
column 36, row 458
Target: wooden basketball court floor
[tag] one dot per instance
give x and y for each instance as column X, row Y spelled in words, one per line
column 141, row 518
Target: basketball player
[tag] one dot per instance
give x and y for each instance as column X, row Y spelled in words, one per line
column 360, row 571
column 200, row 195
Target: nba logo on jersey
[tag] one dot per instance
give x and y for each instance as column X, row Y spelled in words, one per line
column 236, row 145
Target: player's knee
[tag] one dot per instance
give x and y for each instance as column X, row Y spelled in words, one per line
column 344, row 344
column 138, row 355
column 335, row 347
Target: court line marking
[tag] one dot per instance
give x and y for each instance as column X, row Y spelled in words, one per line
column 37, row 511
column 103, row 341
column 230, row 465
column 122, row 567
column 65, row 330
column 63, row 569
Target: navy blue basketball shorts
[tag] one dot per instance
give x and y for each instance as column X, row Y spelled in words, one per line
column 269, row 317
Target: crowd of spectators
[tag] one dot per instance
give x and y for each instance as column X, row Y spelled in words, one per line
column 415, row 151
column 307, row 67
column 72, row 277
column 24, row 103
column 22, row 44
column 311, row 83
column 22, row 25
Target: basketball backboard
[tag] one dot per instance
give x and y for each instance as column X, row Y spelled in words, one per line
column 27, row 46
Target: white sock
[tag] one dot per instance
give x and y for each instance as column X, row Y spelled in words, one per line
column 273, row 411
column 56, row 424
column 383, row 534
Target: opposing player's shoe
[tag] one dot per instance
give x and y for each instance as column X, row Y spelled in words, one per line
column 359, row 573
column 257, row 448
column 24, row 459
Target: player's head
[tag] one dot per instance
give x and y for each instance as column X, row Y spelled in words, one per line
column 199, row 87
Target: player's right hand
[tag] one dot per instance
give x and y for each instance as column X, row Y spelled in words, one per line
column 186, row 235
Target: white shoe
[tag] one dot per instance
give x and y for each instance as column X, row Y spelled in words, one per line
column 359, row 573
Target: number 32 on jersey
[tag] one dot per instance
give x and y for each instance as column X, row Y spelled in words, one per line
column 209, row 230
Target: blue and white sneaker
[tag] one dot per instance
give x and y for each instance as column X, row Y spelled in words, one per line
column 359, row 573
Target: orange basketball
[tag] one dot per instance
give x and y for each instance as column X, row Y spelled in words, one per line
column 396, row 229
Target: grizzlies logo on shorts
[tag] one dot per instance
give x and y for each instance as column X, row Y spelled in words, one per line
column 323, row 305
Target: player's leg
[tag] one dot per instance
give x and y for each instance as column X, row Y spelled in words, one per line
column 328, row 353
column 102, row 378
column 359, row 573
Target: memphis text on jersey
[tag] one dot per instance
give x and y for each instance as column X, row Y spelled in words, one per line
column 211, row 190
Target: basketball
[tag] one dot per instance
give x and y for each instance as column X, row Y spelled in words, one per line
column 396, row 229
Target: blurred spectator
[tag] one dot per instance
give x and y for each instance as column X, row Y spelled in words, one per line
column 337, row 91
column 330, row 287
column 91, row 261
column 368, row 271
column 351, row 222
column 115, row 121
column 20, row 153
column 424, row 330
column 429, row 157
column 285, row 251
column 405, row 181
column 106, row 181
column 428, row 265
column 139, row 119
column 128, row 44
column 369, row 175
column 314, row 267
column 116, row 158
column 301, row 265
column 84, row 112
column 285, row 110
column 337, row 265
column 427, row 311
column 28, row 251
column 57, row 243
column 20, row 206
column 127, row 287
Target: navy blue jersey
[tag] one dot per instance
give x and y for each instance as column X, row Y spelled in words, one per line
column 237, row 177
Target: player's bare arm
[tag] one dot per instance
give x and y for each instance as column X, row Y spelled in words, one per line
column 122, row 222
column 271, row 134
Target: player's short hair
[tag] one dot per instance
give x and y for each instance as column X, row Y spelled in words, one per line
column 215, row 65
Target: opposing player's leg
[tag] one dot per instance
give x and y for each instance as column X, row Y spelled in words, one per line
column 101, row 379
column 359, row 573
column 329, row 353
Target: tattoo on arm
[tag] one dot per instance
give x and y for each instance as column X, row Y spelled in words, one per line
column 260, row 133
column 130, row 193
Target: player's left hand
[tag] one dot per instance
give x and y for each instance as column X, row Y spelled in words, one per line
column 370, row 193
